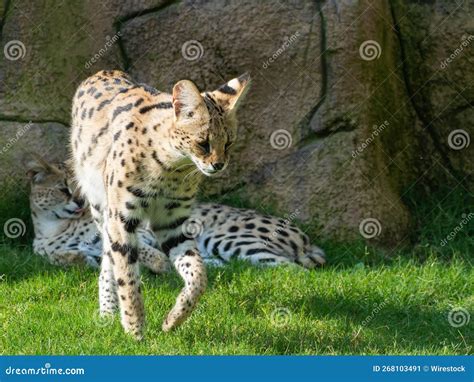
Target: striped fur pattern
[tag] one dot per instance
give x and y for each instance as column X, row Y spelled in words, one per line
column 139, row 156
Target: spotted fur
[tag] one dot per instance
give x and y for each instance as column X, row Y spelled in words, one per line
column 227, row 233
column 135, row 152
column 222, row 233
column 65, row 233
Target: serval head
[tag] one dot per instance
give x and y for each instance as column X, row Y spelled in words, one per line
column 52, row 195
column 205, row 123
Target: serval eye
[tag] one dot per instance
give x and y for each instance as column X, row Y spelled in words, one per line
column 65, row 191
column 205, row 146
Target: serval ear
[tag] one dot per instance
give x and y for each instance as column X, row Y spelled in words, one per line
column 232, row 93
column 38, row 168
column 188, row 104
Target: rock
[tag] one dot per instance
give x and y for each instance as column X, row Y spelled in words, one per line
column 438, row 47
column 352, row 103
column 172, row 44
column 18, row 139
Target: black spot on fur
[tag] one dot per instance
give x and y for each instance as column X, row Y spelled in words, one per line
column 227, row 246
column 103, row 103
column 294, row 247
column 130, row 224
column 226, row 89
column 149, row 89
column 206, row 242
column 121, row 109
column 136, row 192
column 172, row 242
column 159, row 105
column 236, row 253
column 215, row 247
column 172, row 205
column 239, row 243
column 123, row 249
column 154, row 155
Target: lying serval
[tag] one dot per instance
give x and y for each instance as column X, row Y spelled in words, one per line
column 65, row 232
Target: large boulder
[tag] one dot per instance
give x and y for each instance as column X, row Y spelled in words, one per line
column 19, row 139
column 352, row 102
column 437, row 41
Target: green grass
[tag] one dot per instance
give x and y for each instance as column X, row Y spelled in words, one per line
column 366, row 301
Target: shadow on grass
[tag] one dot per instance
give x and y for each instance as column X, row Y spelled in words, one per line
column 19, row 263
column 352, row 329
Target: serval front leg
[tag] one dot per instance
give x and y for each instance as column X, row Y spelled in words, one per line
column 188, row 263
column 108, row 301
column 120, row 237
